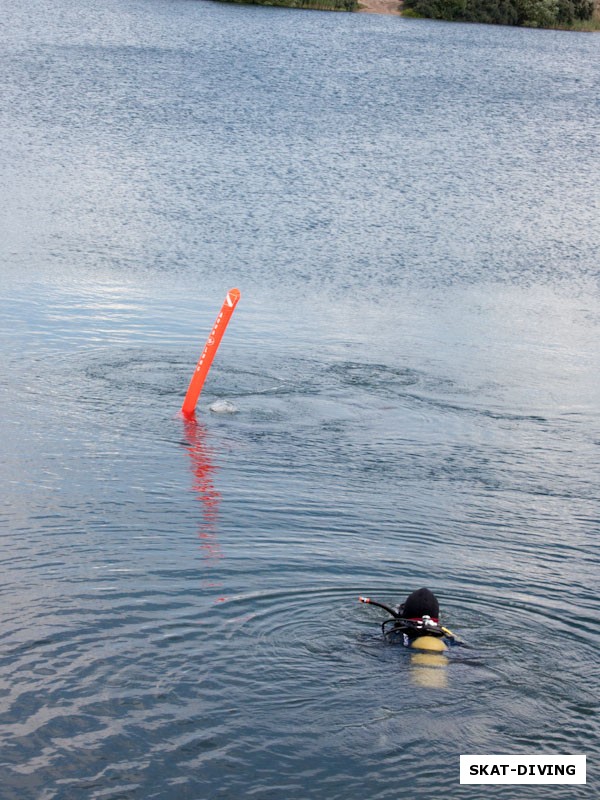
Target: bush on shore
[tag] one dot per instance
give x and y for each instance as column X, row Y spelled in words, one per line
column 530, row 13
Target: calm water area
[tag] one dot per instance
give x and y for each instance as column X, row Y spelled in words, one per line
column 411, row 211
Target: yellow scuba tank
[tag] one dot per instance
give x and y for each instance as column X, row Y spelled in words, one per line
column 428, row 662
column 431, row 643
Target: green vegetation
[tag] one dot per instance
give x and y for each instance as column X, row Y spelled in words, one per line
column 569, row 14
column 321, row 5
column 577, row 15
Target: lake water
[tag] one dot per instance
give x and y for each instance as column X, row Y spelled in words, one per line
column 411, row 211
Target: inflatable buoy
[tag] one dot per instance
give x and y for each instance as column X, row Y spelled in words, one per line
column 210, row 348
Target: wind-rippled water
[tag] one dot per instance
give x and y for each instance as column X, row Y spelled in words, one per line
column 411, row 211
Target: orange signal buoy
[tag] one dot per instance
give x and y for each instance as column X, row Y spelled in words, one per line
column 210, row 349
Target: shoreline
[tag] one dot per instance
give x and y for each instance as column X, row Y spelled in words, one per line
column 395, row 8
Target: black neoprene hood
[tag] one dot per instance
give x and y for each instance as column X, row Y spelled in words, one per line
column 420, row 603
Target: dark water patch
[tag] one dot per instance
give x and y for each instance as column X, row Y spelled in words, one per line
column 135, row 375
column 374, row 376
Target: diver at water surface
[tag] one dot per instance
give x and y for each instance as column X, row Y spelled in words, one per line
column 416, row 623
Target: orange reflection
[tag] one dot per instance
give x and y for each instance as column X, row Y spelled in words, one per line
column 203, row 470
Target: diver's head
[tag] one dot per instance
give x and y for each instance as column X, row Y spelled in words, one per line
column 419, row 604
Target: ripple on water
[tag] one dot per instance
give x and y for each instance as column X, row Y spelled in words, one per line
column 301, row 672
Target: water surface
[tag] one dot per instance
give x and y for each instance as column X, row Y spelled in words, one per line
column 410, row 210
